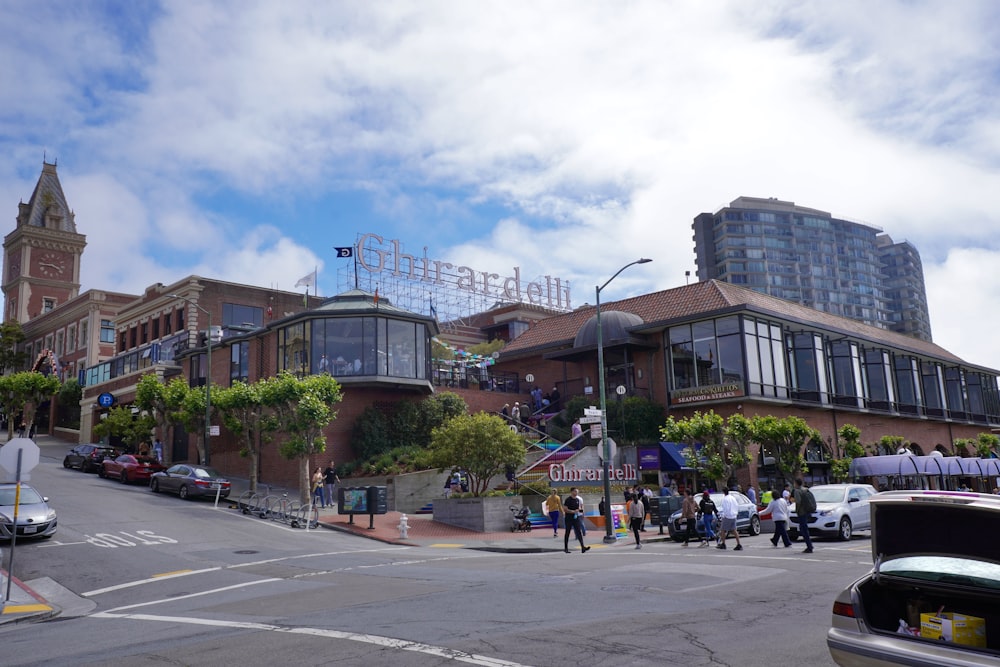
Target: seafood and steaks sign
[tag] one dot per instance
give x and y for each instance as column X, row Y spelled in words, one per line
column 712, row 392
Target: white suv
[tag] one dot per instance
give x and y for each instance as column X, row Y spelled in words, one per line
column 840, row 510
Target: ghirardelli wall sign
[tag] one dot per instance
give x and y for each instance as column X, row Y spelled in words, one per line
column 378, row 255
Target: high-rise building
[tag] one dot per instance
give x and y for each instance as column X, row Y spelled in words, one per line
column 838, row 266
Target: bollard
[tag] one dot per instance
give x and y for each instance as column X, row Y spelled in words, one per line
column 403, row 527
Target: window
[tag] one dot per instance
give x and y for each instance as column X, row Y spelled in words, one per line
column 83, row 334
column 59, row 343
column 108, row 331
column 71, row 338
column 239, row 362
column 48, row 305
column 236, row 315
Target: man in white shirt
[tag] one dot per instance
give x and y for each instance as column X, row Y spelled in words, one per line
column 730, row 509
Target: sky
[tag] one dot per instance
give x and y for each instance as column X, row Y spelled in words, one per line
column 246, row 140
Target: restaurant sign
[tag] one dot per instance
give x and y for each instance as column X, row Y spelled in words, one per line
column 563, row 474
column 712, row 392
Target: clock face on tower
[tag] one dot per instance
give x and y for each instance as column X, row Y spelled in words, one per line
column 52, row 265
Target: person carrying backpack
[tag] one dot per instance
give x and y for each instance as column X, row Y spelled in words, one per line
column 805, row 507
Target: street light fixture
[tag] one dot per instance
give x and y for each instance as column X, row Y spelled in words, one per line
column 609, row 537
column 208, row 372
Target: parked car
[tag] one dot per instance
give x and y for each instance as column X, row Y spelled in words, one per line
column 88, row 457
column 747, row 519
column 935, row 553
column 190, row 481
column 34, row 516
column 840, row 510
column 129, row 468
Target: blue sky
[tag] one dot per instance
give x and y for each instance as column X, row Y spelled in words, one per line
column 244, row 140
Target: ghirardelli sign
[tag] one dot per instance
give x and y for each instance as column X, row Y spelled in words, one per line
column 387, row 256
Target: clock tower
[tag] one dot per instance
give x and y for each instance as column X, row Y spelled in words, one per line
column 41, row 260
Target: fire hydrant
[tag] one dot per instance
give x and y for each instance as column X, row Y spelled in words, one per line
column 403, row 527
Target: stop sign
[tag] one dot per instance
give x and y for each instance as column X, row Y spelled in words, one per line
column 29, row 456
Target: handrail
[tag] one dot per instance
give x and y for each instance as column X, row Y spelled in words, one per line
column 550, row 454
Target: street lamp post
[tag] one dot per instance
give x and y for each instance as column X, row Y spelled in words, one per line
column 609, row 537
column 208, row 373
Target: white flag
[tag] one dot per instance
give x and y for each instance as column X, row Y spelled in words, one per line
column 308, row 281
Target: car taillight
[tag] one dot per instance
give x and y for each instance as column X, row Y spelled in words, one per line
column 843, row 609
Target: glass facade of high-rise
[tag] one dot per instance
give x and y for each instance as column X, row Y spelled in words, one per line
column 841, row 267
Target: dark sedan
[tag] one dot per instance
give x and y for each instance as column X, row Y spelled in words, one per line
column 88, row 457
column 190, row 481
column 129, row 468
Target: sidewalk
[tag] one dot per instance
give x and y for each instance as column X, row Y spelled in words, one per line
column 44, row 598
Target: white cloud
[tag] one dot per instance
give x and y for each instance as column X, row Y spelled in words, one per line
column 587, row 133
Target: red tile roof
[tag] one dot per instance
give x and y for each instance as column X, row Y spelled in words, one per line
column 712, row 297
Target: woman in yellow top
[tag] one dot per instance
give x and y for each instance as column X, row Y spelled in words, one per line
column 553, row 505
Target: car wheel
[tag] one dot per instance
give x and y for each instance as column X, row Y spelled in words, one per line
column 101, row 472
column 183, row 492
column 754, row 525
column 123, row 478
column 793, row 535
column 83, row 466
column 66, row 462
column 846, row 529
column 154, row 486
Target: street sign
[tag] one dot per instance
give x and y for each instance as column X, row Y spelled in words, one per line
column 595, row 431
column 592, row 412
column 529, row 378
column 29, row 457
column 106, row 400
column 620, row 390
column 590, row 420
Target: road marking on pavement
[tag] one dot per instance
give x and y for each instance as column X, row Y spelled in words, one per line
column 386, row 642
column 187, row 573
column 447, row 546
column 194, row 595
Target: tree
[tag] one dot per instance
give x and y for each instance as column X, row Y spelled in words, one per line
column 406, row 424
column 635, row 419
column 130, row 428
column 481, row 444
column 707, row 430
column 243, row 412
column 786, row 438
column 163, row 402
column 986, row 444
column 68, row 402
column 190, row 413
column 22, row 393
column 11, row 335
column 849, row 447
column 302, row 408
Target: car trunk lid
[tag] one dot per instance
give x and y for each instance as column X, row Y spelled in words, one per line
column 940, row 523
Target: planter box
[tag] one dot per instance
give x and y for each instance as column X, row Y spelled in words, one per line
column 483, row 515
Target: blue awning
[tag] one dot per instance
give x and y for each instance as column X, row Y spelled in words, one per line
column 672, row 457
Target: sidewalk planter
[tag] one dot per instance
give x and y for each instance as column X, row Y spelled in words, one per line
column 483, row 515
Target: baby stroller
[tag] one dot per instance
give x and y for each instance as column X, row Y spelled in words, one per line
column 519, row 522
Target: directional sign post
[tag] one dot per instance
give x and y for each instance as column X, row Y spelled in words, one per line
column 17, row 457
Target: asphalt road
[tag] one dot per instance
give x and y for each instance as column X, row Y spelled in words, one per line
column 168, row 581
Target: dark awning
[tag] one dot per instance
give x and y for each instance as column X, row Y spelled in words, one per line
column 672, row 457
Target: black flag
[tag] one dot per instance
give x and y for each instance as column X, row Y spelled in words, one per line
column 344, row 252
